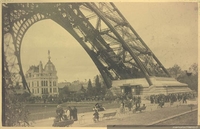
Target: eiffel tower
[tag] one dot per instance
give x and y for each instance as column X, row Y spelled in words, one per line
column 119, row 53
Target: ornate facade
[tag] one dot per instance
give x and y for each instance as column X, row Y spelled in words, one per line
column 43, row 81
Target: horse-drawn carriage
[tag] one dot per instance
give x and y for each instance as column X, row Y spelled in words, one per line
column 61, row 120
column 138, row 108
column 98, row 107
column 62, row 123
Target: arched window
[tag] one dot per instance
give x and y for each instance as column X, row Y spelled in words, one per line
column 54, row 90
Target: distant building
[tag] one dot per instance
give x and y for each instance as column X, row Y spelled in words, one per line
column 75, row 83
column 63, row 84
column 43, row 81
column 75, row 86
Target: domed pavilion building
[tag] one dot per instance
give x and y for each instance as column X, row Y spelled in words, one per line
column 43, row 81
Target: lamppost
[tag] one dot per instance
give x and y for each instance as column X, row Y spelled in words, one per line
column 189, row 73
column 166, row 90
column 44, row 111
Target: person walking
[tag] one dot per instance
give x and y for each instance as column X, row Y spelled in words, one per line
column 122, row 108
column 130, row 104
column 96, row 116
column 184, row 98
column 75, row 117
column 71, row 113
column 59, row 112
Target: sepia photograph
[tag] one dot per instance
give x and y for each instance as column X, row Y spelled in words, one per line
column 99, row 64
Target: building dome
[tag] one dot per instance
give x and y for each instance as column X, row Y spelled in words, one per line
column 49, row 67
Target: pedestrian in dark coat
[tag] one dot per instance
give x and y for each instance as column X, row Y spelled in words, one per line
column 59, row 112
column 96, row 116
column 75, row 117
column 71, row 113
column 184, row 98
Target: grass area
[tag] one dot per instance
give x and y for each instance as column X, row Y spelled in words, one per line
column 42, row 111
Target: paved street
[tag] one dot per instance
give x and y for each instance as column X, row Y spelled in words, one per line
column 187, row 119
column 149, row 116
column 145, row 118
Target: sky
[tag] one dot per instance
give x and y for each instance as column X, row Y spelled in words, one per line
column 169, row 30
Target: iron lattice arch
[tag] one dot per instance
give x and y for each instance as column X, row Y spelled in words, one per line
column 113, row 45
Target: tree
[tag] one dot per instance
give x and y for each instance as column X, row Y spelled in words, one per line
column 191, row 80
column 83, row 89
column 24, row 96
column 109, row 95
column 90, row 88
column 175, row 71
column 98, row 85
column 103, row 90
column 15, row 112
column 194, row 68
column 103, row 85
column 64, row 92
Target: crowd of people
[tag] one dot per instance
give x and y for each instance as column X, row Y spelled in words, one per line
column 67, row 114
column 176, row 97
column 71, row 113
column 132, row 103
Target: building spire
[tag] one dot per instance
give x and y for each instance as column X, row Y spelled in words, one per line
column 49, row 55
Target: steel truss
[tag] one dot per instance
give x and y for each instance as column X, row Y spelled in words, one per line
column 114, row 46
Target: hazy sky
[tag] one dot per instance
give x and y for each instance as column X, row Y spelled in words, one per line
column 169, row 29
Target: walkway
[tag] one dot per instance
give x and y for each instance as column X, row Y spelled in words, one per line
column 144, row 118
